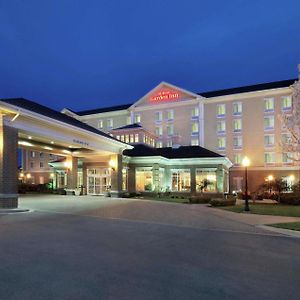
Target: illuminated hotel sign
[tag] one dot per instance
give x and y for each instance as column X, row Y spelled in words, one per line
column 164, row 95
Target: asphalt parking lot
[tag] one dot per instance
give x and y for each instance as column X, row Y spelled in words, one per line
column 100, row 248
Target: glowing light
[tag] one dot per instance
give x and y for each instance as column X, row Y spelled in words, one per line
column 52, row 142
column 15, row 117
column 66, row 151
column 246, row 162
column 68, row 164
column 28, row 176
column 30, row 137
column 270, row 177
column 112, row 164
column 52, row 175
column 48, row 148
column 292, row 177
column 21, row 175
column 165, row 95
column 23, row 143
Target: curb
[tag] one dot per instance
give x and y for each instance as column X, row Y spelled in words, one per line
column 288, row 232
column 13, row 210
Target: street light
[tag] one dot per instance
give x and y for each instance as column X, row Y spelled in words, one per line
column 52, row 178
column 246, row 164
column 270, row 178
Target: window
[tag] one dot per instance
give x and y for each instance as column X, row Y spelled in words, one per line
column 127, row 138
column 286, row 138
column 237, row 108
column 221, row 143
column 118, row 137
column 170, row 114
column 206, row 180
column 195, row 112
column 169, row 143
column 181, row 180
column 195, row 128
column 32, row 165
column 159, row 144
column 269, row 140
column 269, row 122
column 195, row 142
column 41, row 165
column 32, row 154
column 137, row 118
column 131, row 138
column 144, row 179
column 237, row 158
column 128, row 120
column 122, row 138
column 237, row 184
column 221, row 126
column 170, row 129
column 269, row 157
column 287, row 158
column 289, row 181
column 136, row 138
column 237, row 142
column 110, row 123
column 100, row 124
column 221, row 110
column 158, row 116
column 42, row 155
column 286, row 102
column 158, row 130
column 124, row 179
column 269, row 104
column 237, row 125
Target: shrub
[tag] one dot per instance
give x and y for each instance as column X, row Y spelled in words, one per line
column 222, row 202
column 290, row 198
column 199, row 199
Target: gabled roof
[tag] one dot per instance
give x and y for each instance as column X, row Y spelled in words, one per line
column 130, row 126
column 249, row 88
column 102, row 110
column 53, row 114
column 168, row 152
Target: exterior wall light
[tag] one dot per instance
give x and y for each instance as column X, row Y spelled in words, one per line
column 112, row 164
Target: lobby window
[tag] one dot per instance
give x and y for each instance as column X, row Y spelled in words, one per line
column 122, row 138
column 159, row 144
column 269, row 140
column 132, row 138
column 170, row 115
column 269, row 122
column 269, row 104
column 195, row 142
column 118, row 137
column 206, row 180
column 158, row 130
column 170, row 129
column 100, row 124
column 237, row 142
column 221, row 143
column 286, row 103
column 169, row 143
column 221, row 110
column 221, row 126
column 287, row 158
column 195, row 112
column 237, row 125
column 158, row 116
column 195, row 128
column 144, row 179
column 110, row 123
column 127, row 138
column 124, row 179
column 136, row 138
column 269, row 157
column 137, row 118
column 41, row 165
column 32, row 154
column 237, row 159
column 181, row 180
column 237, row 108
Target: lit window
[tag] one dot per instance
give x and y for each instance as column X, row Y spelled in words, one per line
column 206, row 180
column 269, row 104
column 195, row 112
column 100, row 124
column 269, row 140
column 221, row 143
column 32, row 154
column 122, row 138
column 237, row 142
column 109, row 123
column 195, row 142
column 269, row 157
column 237, row 108
column 195, row 128
column 221, row 126
column 158, row 116
column 170, row 130
column 269, row 122
column 118, row 137
column 287, row 158
column 158, row 130
column 159, row 144
column 143, row 179
column 169, row 143
column 136, row 138
column 170, row 115
column 237, row 125
column 131, row 138
column 137, row 118
column 237, row 158
column 128, row 120
column 221, row 110
column 127, row 138
column 124, row 179
column 181, row 180
column 286, row 102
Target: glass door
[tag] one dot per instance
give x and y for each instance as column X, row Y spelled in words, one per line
column 98, row 181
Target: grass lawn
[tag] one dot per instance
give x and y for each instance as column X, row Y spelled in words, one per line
column 268, row 209
column 168, row 199
column 291, row 226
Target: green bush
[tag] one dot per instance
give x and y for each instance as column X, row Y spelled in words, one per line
column 290, row 198
column 199, row 199
column 222, row 202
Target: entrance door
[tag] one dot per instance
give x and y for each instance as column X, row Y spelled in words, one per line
column 98, row 181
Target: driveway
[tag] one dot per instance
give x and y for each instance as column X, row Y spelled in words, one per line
column 96, row 248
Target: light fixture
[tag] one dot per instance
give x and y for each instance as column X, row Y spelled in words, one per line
column 112, row 164
column 292, row 177
column 28, row 176
column 21, row 175
column 270, row 177
column 68, row 164
column 30, row 137
column 52, row 142
column 48, row 148
column 66, row 151
column 24, row 143
column 246, row 162
column 52, row 175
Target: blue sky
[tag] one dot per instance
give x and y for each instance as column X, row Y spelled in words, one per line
column 95, row 53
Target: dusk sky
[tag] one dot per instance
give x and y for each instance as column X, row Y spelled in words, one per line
column 96, row 53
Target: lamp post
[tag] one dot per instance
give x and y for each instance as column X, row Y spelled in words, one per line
column 52, row 178
column 246, row 163
column 270, row 178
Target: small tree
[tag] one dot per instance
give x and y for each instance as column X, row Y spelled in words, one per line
column 204, row 184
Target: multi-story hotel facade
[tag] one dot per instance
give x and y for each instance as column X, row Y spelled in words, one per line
column 234, row 123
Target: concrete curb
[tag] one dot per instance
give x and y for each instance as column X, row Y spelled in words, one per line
column 288, row 232
column 4, row 211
